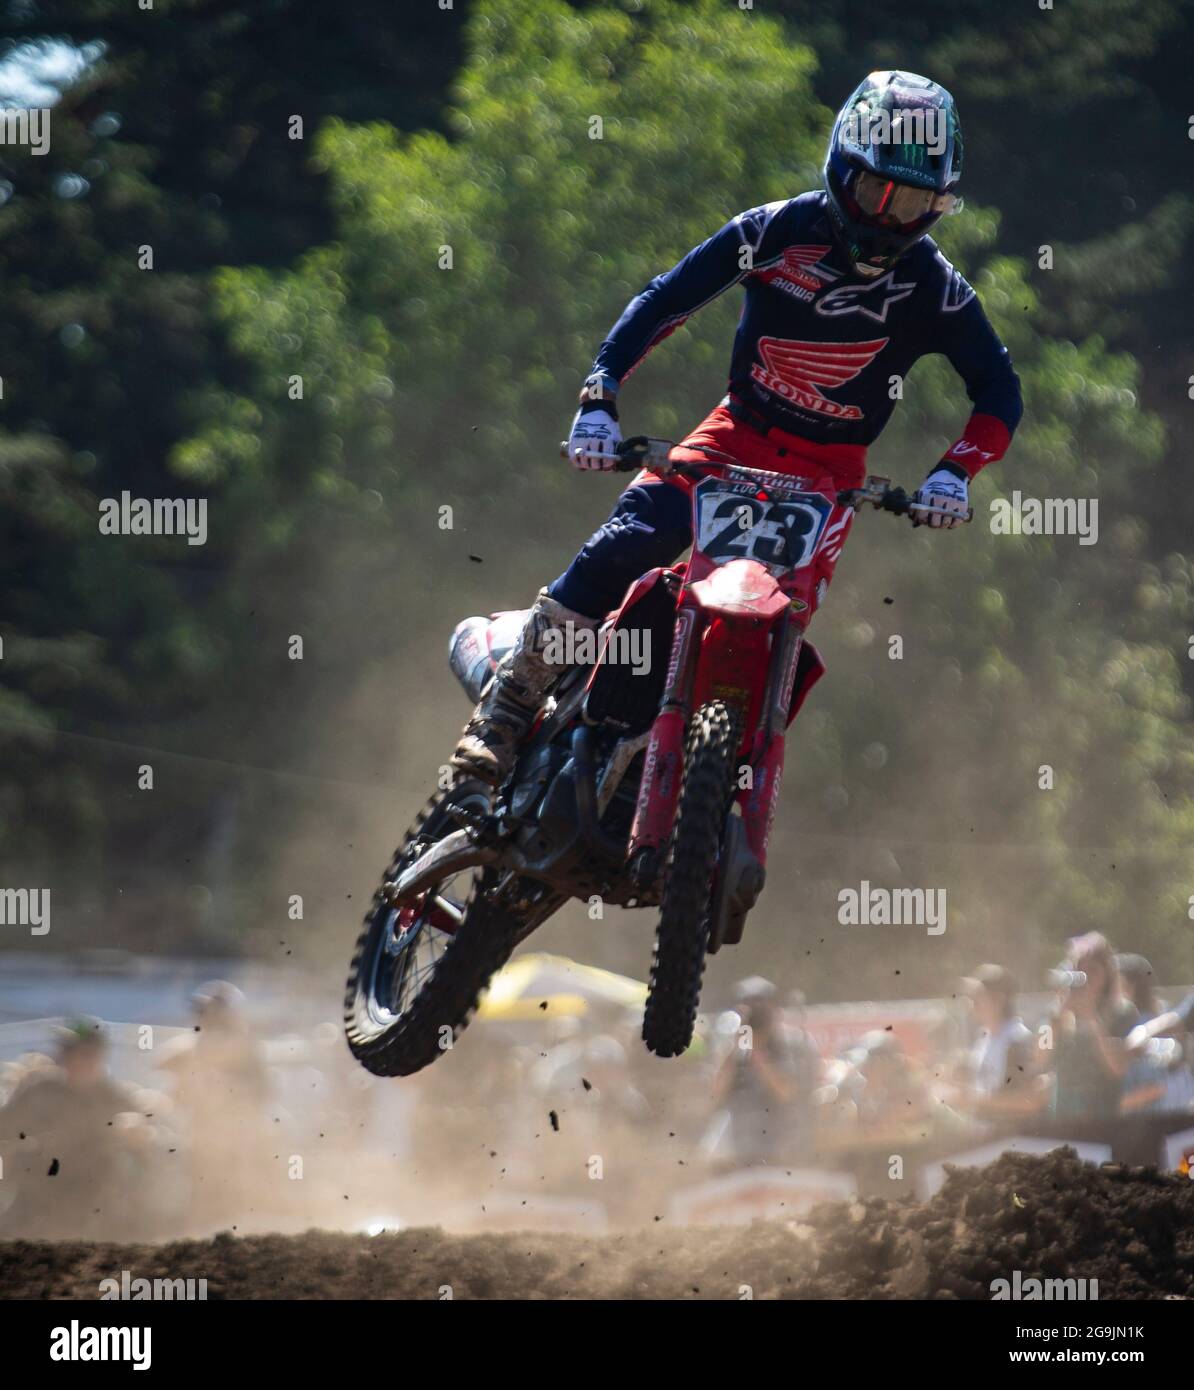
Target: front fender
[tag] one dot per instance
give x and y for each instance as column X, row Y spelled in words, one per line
column 740, row 604
column 741, row 589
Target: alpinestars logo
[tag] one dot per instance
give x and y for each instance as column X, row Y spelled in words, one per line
column 796, row 371
column 963, row 448
column 798, row 274
column 880, row 295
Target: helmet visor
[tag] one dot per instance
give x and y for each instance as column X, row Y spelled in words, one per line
column 883, row 202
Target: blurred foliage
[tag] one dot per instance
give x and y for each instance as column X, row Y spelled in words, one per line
column 425, row 386
column 172, row 133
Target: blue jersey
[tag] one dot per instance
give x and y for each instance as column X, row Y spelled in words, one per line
column 818, row 345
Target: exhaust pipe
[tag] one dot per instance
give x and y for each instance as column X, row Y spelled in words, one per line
column 585, row 782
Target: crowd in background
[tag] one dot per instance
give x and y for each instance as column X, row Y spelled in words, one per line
column 220, row 1126
column 1102, row 1044
column 214, row 1140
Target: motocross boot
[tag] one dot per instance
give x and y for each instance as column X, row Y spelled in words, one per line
column 517, row 690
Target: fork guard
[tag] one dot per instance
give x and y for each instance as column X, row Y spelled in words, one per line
column 740, row 879
column 810, row 667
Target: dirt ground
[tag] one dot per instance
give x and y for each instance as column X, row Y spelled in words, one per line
column 1048, row 1217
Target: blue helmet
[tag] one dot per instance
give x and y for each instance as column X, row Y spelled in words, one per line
column 893, row 167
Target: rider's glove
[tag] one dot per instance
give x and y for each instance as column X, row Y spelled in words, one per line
column 595, row 434
column 946, row 486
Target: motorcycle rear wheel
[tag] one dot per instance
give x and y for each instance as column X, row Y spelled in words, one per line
column 682, row 937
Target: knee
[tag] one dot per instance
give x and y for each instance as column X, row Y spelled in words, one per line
column 631, row 546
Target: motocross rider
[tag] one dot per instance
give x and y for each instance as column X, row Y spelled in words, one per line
column 844, row 291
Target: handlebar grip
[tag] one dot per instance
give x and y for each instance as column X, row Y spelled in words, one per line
column 631, row 455
column 891, row 499
column 626, row 463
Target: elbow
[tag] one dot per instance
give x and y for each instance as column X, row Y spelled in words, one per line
column 1001, row 398
column 1015, row 401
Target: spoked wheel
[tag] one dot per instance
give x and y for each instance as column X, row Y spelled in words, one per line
column 420, row 967
column 682, row 937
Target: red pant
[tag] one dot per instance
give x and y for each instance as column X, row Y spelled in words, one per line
column 652, row 521
column 721, row 434
column 777, row 450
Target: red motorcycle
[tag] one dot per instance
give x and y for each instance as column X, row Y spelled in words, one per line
column 643, row 782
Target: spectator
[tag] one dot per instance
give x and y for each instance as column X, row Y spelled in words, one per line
column 1090, row 1024
column 219, row 1067
column 72, row 1143
column 1159, row 1077
column 893, row 1092
column 808, row 1069
column 762, row 1091
column 221, row 1087
column 1139, row 985
column 1000, row 1074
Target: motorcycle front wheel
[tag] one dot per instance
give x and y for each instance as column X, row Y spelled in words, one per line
column 419, row 969
column 682, row 937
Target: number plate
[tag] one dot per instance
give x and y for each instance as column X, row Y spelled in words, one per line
column 779, row 530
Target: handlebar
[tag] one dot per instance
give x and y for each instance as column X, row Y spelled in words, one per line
column 640, row 451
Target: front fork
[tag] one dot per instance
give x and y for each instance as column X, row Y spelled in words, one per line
column 759, row 800
column 663, row 767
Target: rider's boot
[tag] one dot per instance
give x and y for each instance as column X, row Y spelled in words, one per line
column 509, row 703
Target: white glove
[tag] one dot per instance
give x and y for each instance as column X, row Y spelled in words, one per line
column 593, row 440
column 941, row 489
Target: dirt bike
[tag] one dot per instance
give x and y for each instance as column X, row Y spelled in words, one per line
column 643, row 788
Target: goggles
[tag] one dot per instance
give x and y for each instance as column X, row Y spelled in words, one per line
column 898, row 205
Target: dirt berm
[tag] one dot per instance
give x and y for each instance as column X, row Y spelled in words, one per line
column 1054, row 1217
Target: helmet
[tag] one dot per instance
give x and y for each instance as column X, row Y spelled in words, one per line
column 893, row 166
column 219, row 1004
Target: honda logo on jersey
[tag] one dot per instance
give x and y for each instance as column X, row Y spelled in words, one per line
column 873, row 299
column 798, row 273
column 796, row 371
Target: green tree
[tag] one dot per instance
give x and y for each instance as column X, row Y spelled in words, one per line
column 434, row 380
column 171, row 151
